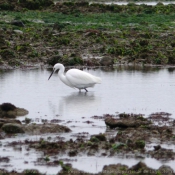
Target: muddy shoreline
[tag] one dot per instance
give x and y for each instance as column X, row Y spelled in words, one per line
column 38, row 41
column 28, row 41
column 131, row 134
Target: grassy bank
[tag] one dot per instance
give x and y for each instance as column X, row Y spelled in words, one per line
column 140, row 34
column 103, row 21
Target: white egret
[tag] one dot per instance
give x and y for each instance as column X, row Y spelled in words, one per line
column 75, row 78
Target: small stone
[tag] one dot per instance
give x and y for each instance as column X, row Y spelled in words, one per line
column 107, row 61
column 155, row 132
column 7, row 107
column 157, row 147
column 72, row 153
column 138, row 166
column 91, row 152
column 18, row 23
column 18, row 31
column 166, row 170
column 100, row 137
column 140, row 143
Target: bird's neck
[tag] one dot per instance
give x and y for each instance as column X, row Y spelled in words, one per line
column 61, row 73
column 62, row 76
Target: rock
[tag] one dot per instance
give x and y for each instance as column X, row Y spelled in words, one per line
column 14, row 113
column 34, row 5
column 8, row 54
column 118, row 146
column 138, row 166
column 157, row 147
column 162, row 153
column 111, row 122
column 45, row 128
column 12, row 128
column 94, row 139
column 91, row 152
column 7, row 107
column 140, row 143
column 72, row 153
column 21, row 112
column 8, row 110
column 107, row 61
column 1, row 124
column 31, row 171
column 141, row 168
column 54, row 59
column 18, row 23
column 58, row 26
column 112, row 169
column 18, row 31
column 155, row 132
column 4, row 159
column 46, row 31
column 91, row 32
column 67, row 169
column 92, row 62
column 4, row 121
column 2, row 42
column 100, row 137
column 165, row 170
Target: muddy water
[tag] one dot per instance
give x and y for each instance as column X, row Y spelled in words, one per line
column 123, row 89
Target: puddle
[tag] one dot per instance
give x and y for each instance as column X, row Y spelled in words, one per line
column 124, row 89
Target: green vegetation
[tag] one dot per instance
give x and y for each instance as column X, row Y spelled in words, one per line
column 107, row 21
column 47, row 158
column 140, row 143
column 118, row 146
column 133, row 32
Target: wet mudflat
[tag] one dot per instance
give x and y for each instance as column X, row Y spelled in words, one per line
column 95, row 131
column 124, row 126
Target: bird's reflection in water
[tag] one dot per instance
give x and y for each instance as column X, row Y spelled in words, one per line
column 79, row 104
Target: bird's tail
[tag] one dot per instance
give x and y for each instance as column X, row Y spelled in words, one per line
column 98, row 80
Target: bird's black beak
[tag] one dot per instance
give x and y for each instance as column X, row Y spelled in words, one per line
column 51, row 74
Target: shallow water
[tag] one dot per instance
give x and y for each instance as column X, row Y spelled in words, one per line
column 123, row 89
column 153, row 3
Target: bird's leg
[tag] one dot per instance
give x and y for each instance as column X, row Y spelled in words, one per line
column 86, row 90
column 79, row 90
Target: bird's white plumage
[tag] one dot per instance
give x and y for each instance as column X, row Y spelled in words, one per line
column 81, row 79
column 76, row 78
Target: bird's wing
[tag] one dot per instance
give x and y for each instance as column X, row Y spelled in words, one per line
column 78, row 77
